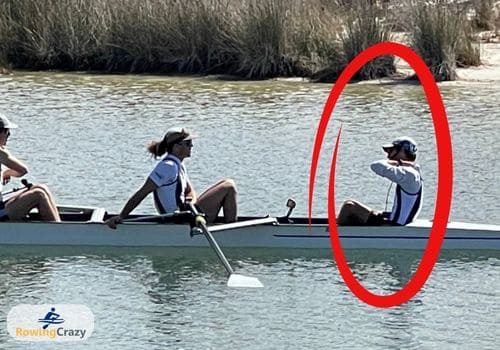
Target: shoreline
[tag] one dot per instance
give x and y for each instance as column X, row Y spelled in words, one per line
column 487, row 72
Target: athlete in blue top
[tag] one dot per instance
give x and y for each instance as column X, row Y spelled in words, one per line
column 171, row 187
column 399, row 167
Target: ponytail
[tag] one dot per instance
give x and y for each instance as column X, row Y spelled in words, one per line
column 157, row 148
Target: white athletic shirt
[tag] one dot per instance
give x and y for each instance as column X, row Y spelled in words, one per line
column 409, row 190
column 172, row 180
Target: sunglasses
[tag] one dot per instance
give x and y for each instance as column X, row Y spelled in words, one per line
column 187, row 143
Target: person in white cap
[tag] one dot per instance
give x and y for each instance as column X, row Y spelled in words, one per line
column 401, row 168
column 20, row 204
column 171, row 187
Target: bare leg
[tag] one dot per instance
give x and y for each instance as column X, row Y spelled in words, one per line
column 51, row 199
column 220, row 195
column 19, row 206
column 353, row 213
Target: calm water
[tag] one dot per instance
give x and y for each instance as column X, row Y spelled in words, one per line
column 84, row 135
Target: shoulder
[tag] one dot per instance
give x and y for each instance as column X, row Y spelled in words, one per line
column 166, row 170
column 167, row 165
column 4, row 153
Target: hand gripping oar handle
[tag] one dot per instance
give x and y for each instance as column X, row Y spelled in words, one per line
column 26, row 185
column 199, row 221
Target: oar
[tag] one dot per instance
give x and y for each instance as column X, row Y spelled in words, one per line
column 26, row 184
column 158, row 217
column 235, row 280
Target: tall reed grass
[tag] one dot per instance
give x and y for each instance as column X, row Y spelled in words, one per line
column 483, row 14
column 362, row 26
column 251, row 39
column 366, row 26
column 440, row 37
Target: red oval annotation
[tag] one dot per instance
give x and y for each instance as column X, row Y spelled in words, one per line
column 444, row 184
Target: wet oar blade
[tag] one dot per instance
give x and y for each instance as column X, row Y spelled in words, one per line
column 240, row 281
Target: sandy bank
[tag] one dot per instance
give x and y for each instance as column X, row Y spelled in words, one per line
column 488, row 71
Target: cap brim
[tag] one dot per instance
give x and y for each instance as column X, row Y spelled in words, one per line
column 190, row 137
column 388, row 147
column 10, row 126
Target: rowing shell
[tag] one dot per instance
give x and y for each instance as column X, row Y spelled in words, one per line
column 82, row 226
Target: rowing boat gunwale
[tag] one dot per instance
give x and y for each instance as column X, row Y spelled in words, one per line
column 82, row 226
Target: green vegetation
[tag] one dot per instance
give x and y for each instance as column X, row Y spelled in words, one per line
column 441, row 35
column 250, row 39
column 483, row 16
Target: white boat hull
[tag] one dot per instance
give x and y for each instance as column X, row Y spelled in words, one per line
column 297, row 235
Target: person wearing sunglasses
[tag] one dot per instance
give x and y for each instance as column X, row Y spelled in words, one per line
column 171, row 187
column 19, row 205
column 400, row 168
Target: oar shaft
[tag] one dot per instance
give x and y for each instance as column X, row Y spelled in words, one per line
column 234, row 280
column 157, row 217
column 215, row 246
column 201, row 223
column 26, row 184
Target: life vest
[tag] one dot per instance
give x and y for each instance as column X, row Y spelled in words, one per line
column 406, row 206
column 162, row 193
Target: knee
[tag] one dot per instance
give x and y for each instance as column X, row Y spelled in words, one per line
column 229, row 185
column 39, row 194
column 41, row 187
column 348, row 204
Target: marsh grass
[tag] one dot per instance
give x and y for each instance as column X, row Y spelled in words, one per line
column 251, row 39
column 468, row 50
column 483, row 14
column 365, row 27
column 362, row 26
column 438, row 34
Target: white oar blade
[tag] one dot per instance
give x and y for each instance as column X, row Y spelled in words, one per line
column 240, row 281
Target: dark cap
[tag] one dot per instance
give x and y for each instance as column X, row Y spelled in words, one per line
column 177, row 134
column 404, row 142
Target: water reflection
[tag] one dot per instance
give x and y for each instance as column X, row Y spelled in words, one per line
column 175, row 298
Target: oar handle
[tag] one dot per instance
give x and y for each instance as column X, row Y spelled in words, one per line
column 25, row 183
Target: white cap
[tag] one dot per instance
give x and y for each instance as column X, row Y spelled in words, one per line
column 5, row 123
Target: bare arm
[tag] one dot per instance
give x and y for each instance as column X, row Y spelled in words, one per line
column 148, row 187
column 190, row 193
column 15, row 166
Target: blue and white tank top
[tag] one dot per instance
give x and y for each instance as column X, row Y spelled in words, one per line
column 406, row 206
column 171, row 178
